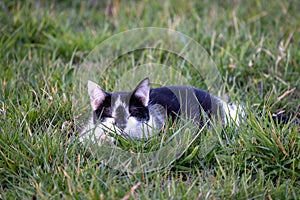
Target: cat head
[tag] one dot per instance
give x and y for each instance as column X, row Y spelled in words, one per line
column 127, row 111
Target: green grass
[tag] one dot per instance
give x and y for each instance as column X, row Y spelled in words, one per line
column 256, row 46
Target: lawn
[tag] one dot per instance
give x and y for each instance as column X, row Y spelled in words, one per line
column 255, row 46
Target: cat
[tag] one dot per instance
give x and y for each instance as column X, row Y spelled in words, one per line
column 142, row 112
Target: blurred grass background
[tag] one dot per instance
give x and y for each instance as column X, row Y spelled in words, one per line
column 255, row 45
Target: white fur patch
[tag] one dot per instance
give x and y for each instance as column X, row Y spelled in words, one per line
column 233, row 113
column 137, row 129
column 98, row 134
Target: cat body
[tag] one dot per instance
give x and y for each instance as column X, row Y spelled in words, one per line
column 141, row 112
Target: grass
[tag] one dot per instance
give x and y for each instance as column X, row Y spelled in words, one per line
column 255, row 45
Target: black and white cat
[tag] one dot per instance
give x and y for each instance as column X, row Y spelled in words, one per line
column 141, row 112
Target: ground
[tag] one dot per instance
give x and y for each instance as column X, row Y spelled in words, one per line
column 254, row 44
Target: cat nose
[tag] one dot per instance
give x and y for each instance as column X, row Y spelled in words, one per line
column 120, row 125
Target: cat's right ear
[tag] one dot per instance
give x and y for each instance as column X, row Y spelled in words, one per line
column 97, row 95
column 142, row 91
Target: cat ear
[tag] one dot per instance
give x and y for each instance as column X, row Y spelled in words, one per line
column 97, row 95
column 142, row 91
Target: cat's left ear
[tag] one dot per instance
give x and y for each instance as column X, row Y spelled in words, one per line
column 142, row 91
